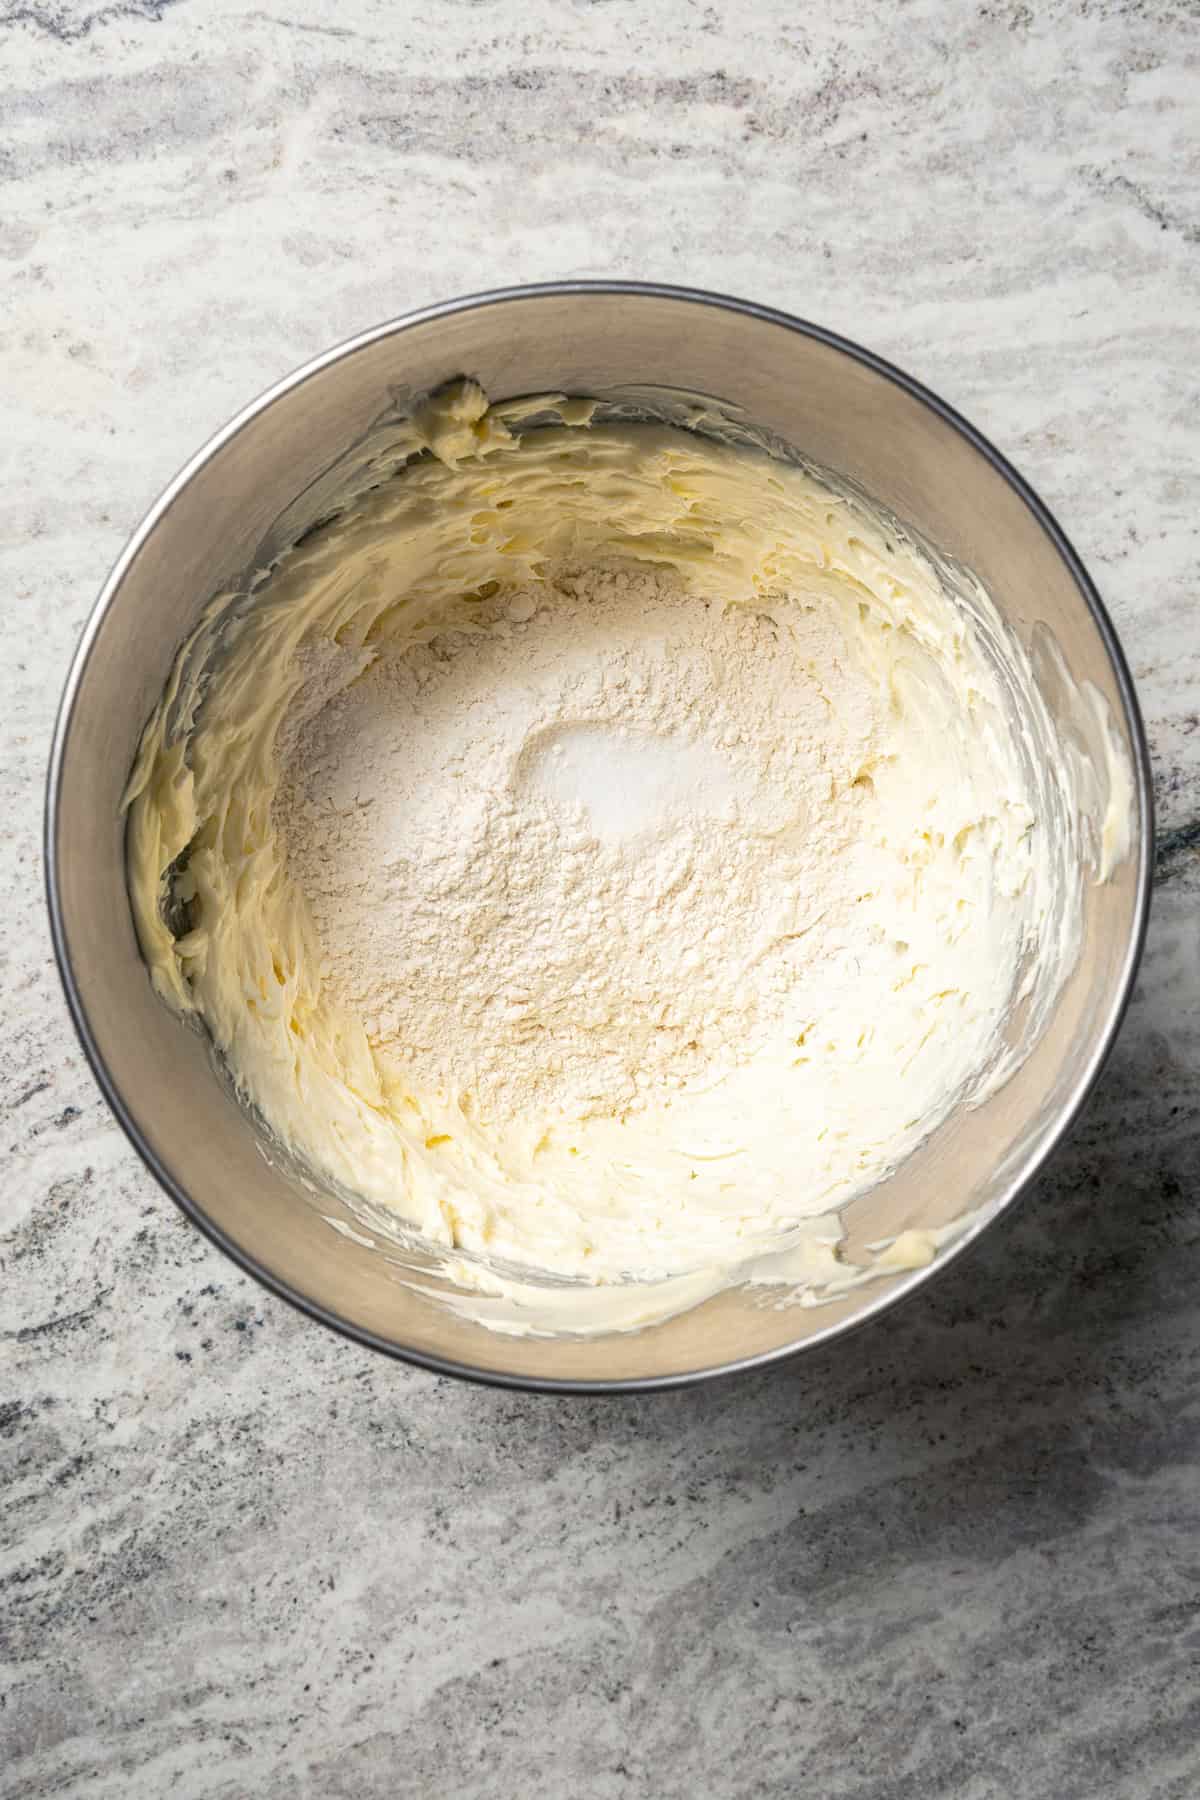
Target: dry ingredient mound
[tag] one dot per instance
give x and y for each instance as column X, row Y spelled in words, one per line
column 565, row 863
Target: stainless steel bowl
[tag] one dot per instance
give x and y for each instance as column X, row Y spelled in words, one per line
column 845, row 409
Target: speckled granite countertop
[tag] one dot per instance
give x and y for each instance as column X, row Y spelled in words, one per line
column 959, row 1556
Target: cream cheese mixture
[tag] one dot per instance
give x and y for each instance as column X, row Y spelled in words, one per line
column 606, row 850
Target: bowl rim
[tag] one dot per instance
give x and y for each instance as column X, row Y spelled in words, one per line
column 1086, row 1076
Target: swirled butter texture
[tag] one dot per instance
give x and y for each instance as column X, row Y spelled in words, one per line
column 606, row 850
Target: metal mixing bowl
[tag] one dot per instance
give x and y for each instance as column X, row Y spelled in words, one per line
column 842, row 407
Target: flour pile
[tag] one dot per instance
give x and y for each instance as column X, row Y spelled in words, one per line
column 568, row 863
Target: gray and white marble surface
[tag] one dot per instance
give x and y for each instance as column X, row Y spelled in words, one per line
column 957, row 1556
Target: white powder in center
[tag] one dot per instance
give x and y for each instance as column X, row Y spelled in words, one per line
column 570, row 863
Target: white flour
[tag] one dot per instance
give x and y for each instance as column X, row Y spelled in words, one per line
column 567, row 864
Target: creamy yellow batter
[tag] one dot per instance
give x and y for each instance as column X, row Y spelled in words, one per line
column 967, row 848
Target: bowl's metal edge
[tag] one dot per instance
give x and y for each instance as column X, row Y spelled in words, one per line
column 1088, row 1074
